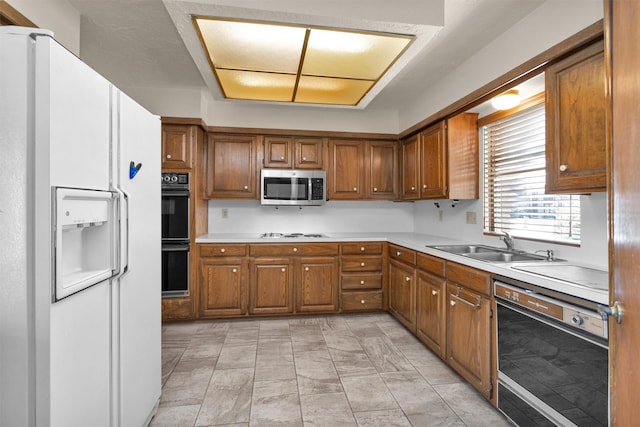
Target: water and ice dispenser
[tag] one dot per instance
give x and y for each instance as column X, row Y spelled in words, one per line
column 85, row 224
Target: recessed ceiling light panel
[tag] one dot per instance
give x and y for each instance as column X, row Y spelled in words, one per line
column 291, row 63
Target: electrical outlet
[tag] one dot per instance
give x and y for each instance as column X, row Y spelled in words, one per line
column 225, row 213
column 471, row 218
column 440, row 215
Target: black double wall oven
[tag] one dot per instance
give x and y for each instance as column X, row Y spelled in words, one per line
column 175, row 234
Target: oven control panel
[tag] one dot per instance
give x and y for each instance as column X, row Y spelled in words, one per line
column 577, row 317
column 175, row 180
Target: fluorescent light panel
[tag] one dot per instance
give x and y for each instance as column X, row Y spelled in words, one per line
column 289, row 63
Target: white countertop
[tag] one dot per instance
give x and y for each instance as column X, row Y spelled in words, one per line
column 422, row 243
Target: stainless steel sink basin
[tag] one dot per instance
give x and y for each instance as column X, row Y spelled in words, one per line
column 492, row 254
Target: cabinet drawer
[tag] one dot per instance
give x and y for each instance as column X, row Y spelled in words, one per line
column 400, row 253
column 469, row 277
column 364, row 248
column 431, row 264
column 361, row 263
column 353, row 301
column 361, row 281
column 294, row 249
column 210, row 250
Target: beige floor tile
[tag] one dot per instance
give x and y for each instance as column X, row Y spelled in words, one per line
column 316, row 373
column 228, row 398
column 470, row 406
column 275, row 403
column 175, row 416
column 368, row 393
column 385, row 417
column 237, row 356
column 326, row 410
column 384, row 355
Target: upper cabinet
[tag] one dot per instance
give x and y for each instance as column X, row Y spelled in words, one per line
column 293, row 152
column 231, row 167
column 178, row 146
column 576, row 123
column 442, row 161
column 362, row 169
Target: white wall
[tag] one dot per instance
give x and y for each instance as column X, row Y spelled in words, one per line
column 55, row 15
column 548, row 25
column 593, row 249
column 336, row 216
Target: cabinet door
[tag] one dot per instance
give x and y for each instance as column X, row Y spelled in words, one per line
column 231, row 171
column 177, row 146
column 223, row 286
column 462, row 168
column 433, row 162
column 402, row 291
column 318, row 291
column 382, row 161
column 430, row 316
column 576, row 124
column 346, row 170
column 410, row 168
column 277, row 152
column 271, row 286
column 468, row 336
column 308, row 153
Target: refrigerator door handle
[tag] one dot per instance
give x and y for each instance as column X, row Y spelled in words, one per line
column 123, row 232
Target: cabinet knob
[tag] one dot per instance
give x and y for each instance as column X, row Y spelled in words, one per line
column 295, row 249
column 355, row 188
column 452, row 303
column 375, row 189
column 563, row 168
column 413, row 188
column 304, row 159
column 235, row 270
column 246, row 187
column 408, row 279
column 281, row 157
column 361, row 248
column 362, row 264
column 362, row 282
column 434, row 292
column 283, row 269
column 168, row 156
column 223, row 250
column 362, row 301
column 424, row 186
column 398, row 253
column 306, row 269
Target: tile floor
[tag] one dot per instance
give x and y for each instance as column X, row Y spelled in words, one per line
column 364, row 370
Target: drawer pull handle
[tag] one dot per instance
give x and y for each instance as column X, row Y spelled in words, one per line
column 362, row 264
column 295, row 249
column 434, row 292
column 235, row 270
column 306, row 269
column 362, row 301
column 222, row 250
column 362, row 282
column 361, row 248
column 563, row 168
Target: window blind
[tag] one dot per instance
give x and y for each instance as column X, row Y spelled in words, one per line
column 514, row 182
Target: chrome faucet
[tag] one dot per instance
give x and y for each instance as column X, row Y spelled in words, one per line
column 507, row 239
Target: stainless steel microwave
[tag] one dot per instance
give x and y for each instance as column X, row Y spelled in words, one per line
column 287, row 187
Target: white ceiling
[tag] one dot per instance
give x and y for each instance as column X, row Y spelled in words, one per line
column 151, row 44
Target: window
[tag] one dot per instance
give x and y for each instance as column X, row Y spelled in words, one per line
column 514, row 180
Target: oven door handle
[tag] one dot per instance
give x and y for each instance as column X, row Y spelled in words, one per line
column 175, row 248
column 175, row 193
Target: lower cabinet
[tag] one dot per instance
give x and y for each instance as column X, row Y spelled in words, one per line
column 430, row 302
column 468, row 341
column 317, row 289
column 361, row 276
column 223, row 280
column 271, row 286
column 402, row 293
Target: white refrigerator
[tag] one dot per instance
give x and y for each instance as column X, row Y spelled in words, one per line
column 80, row 252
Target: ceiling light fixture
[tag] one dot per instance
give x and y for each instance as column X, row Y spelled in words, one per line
column 292, row 63
column 506, row 100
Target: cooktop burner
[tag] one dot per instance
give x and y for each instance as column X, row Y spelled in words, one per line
column 290, row 235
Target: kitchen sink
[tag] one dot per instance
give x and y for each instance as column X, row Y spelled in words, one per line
column 492, row 254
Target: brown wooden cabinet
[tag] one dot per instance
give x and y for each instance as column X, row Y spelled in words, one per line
column 361, row 169
column 441, row 162
column 361, row 276
column 223, row 280
column 231, row 167
column 178, row 146
column 430, row 310
column 402, row 285
column 287, row 152
column 576, row 109
column 468, row 334
column 271, row 286
column 317, row 287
